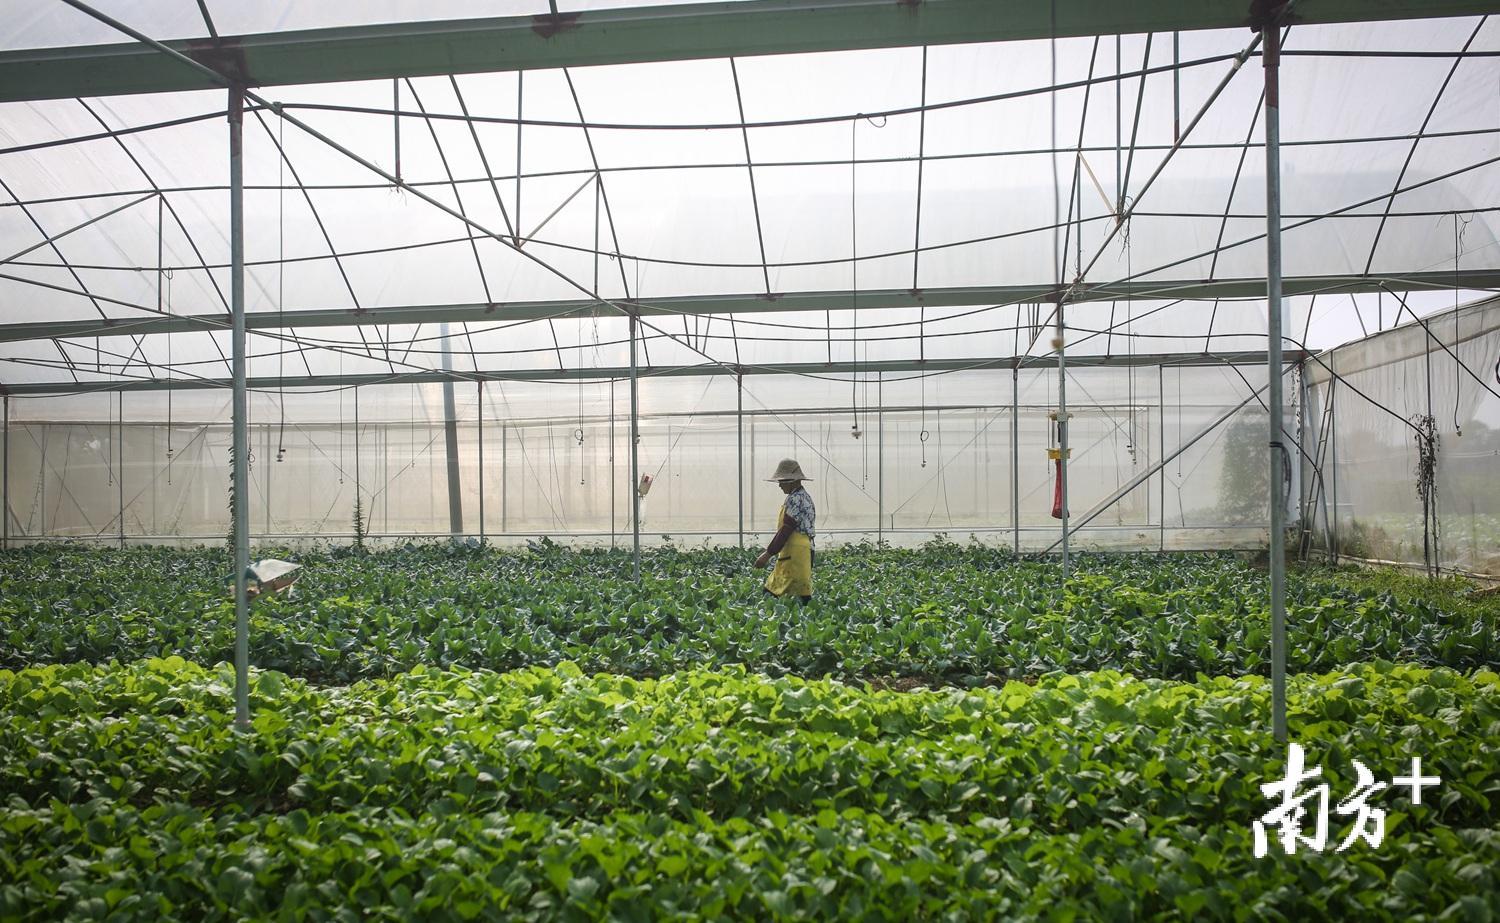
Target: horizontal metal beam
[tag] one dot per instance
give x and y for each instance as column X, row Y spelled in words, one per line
column 971, row 296
column 619, row 36
column 911, row 366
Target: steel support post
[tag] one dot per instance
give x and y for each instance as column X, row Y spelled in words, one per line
column 241, row 439
column 480, row 416
column 613, row 501
column 450, row 441
column 880, row 457
column 635, row 461
column 1015, row 458
column 120, row 467
column 739, row 433
column 42, row 485
column 1271, row 41
column 1161, row 444
column 1062, row 429
column 5, row 483
column 1333, row 452
column 504, row 479
column 1429, row 509
column 364, row 514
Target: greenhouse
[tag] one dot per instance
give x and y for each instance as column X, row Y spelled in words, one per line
column 1121, row 345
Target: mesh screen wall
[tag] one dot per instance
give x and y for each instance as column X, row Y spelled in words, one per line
column 1363, row 425
column 935, row 455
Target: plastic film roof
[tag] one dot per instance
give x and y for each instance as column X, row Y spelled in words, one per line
column 1005, row 168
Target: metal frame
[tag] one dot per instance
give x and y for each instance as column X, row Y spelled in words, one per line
column 969, row 296
column 660, row 33
column 431, row 376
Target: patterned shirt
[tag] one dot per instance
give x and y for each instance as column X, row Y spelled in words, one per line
column 799, row 508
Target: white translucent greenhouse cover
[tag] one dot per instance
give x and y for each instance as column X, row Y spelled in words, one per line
column 961, row 193
column 1000, row 171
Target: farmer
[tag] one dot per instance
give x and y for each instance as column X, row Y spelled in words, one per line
column 793, row 545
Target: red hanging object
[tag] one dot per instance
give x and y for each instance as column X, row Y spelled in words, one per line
column 1057, row 481
column 1057, row 490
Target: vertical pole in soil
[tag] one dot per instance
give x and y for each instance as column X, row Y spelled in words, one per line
column 450, row 443
column 479, row 414
column 1271, row 39
column 1015, row 456
column 739, row 454
column 880, row 457
column 120, row 465
column 1161, row 443
column 635, row 461
column 241, row 439
column 5, row 483
column 1062, row 429
column 613, row 504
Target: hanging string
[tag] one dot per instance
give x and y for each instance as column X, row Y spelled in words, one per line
column 865, row 472
column 1129, row 345
column 854, row 271
column 854, row 274
column 578, row 434
column 1460, row 228
column 341, row 420
column 167, row 274
column 281, row 279
column 1179, row 424
column 109, row 467
column 922, row 435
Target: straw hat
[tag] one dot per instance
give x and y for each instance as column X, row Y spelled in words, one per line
column 789, row 470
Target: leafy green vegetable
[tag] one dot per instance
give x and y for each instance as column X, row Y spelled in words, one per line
column 946, row 613
column 547, row 793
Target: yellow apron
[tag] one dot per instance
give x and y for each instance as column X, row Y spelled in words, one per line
column 792, row 575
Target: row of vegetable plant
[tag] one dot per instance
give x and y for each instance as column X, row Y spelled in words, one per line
column 547, row 793
column 962, row 614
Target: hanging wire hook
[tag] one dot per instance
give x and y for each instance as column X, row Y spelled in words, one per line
column 922, row 438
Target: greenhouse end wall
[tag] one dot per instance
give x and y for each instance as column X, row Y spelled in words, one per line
column 934, row 457
column 1366, row 402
